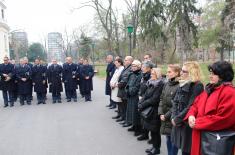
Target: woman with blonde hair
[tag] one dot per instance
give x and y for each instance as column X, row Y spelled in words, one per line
column 189, row 88
column 150, row 100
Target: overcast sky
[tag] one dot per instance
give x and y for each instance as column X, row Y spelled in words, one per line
column 38, row 17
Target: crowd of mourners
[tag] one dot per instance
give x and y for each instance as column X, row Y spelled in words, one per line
column 20, row 80
column 195, row 118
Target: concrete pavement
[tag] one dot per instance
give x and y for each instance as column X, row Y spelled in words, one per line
column 82, row 128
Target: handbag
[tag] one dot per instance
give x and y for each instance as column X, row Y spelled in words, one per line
column 217, row 143
column 147, row 112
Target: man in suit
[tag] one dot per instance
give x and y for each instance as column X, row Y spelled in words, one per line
column 54, row 75
column 7, row 82
column 70, row 76
column 40, row 81
column 109, row 74
column 24, row 81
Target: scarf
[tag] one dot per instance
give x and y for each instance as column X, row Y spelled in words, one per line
column 153, row 82
column 183, row 82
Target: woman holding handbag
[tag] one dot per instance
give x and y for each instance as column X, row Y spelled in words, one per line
column 151, row 101
column 214, row 111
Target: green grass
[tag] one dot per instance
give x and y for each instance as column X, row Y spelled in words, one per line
column 101, row 71
column 205, row 73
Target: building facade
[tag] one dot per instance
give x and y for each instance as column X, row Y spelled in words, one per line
column 55, row 47
column 4, row 31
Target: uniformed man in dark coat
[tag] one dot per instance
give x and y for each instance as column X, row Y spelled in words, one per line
column 54, row 74
column 109, row 74
column 70, row 76
column 31, row 67
column 79, row 79
column 7, row 82
column 24, row 80
column 40, row 81
column 87, row 74
column 15, row 93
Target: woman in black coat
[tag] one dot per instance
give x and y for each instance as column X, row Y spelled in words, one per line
column 151, row 99
column 189, row 88
column 146, row 75
column 132, row 89
column 165, row 106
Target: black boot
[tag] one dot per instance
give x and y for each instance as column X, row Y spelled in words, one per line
column 143, row 137
column 154, row 151
column 131, row 128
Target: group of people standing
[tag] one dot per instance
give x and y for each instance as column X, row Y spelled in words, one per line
column 177, row 105
column 19, row 80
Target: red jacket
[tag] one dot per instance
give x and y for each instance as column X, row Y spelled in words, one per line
column 214, row 112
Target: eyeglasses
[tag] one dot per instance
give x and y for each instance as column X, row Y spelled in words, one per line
column 184, row 71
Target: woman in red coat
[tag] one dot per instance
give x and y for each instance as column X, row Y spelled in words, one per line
column 214, row 109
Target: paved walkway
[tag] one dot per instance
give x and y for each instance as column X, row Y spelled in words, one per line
column 66, row 129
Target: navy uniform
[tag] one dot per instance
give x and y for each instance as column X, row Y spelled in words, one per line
column 70, row 76
column 7, row 83
column 31, row 67
column 109, row 74
column 80, row 80
column 24, row 87
column 87, row 84
column 39, row 79
column 54, row 74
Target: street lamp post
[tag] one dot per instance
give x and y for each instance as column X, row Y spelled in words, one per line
column 130, row 30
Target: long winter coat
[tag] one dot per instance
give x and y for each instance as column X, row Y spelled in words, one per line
column 87, row 84
column 9, row 70
column 122, row 81
column 132, row 89
column 114, row 82
column 24, row 87
column 70, row 76
column 143, row 83
column 165, row 105
column 151, row 98
column 213, row 112
column 181, row 133
column 109, row 74
column 54, row 74
column 39, row 78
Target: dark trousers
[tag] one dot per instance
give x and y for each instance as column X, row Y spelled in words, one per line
column 171, row 148
column 122, row 107
column 81, row 90
column 87, row 96
column 56, row 96
column 25, row 97
column 184, row 153
column 7, row 97
column 156, row 138
column 41, row 97
column 71, row 94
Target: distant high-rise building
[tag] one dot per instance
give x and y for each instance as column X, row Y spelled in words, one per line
column 4, row 31
column 55, row 47
column 21, row 38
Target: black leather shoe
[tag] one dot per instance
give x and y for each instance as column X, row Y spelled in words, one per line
column 131, row 128
column 119, row 120
column 54, row 102
column 11, row 105
column 122, row 123
column 116, row 110
column 137, row 133
column 116, row 117
column 150, row 141
column 143, row 137
column 59, row 101
column 126, row 125
column 112, row 107
column 154, row 151
column 68, row 100
column 149, row 150
column 5, row 106
column 108, row 105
